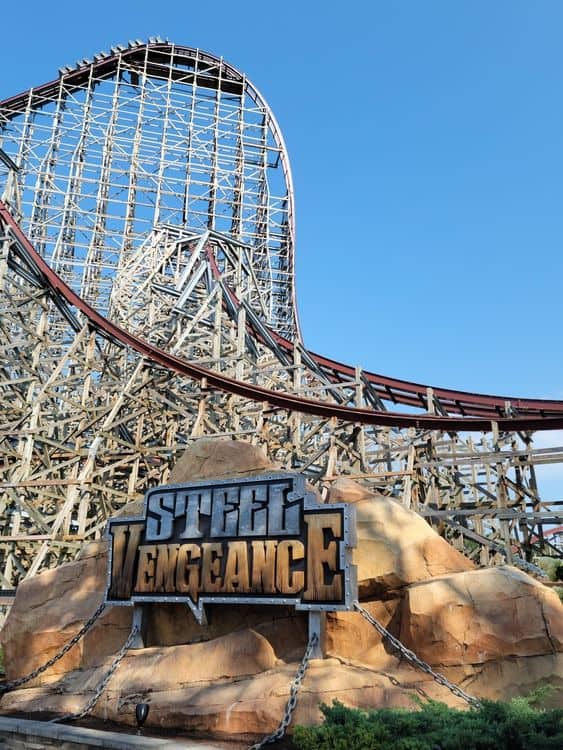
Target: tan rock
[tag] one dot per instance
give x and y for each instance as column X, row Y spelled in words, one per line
column 351, row 636
column 244, row 706
column 283, row 627
column 51, row 607
column 210, row 458
column 234, row 655
column 249, row 706
column 346, row 490
column 396, row 547
column 481, row 615
column 504, row 679
column 96, row 549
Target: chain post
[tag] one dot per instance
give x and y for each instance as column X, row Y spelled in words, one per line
column 415, row 660
column 317, row 627
column 138, row 612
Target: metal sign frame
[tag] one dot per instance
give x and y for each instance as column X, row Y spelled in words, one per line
column 297, row 498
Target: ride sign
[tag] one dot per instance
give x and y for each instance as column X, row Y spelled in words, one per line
column 256, row 539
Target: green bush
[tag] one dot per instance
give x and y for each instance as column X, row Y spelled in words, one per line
column 494, row 726
column 552, row 566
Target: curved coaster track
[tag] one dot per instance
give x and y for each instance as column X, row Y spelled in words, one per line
column 147, row 299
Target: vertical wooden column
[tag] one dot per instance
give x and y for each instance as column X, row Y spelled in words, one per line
column 501, row 495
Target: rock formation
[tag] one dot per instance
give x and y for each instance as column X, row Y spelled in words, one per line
column 481, row 616
column 496, row 632
column 396, row 547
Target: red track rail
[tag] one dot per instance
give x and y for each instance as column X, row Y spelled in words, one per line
column 416, row 394
column 277, row 399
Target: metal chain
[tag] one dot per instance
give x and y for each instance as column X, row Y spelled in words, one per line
column 103, row 683
column 13, row 684
column 292, row 700
column 528, row 566
column 414, row 659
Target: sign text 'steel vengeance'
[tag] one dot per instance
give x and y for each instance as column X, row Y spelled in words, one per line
column 261, row 539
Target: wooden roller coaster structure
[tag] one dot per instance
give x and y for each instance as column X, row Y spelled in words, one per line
column 147, row 299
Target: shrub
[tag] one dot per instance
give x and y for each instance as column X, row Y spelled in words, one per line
column 494, row 726
column 552, row 566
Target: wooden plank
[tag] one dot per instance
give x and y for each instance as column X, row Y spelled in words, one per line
column 41, row 483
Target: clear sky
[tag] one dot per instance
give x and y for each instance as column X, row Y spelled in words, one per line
column 426, row 140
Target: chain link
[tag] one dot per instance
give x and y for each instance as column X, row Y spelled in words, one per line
column 528, row 566
column 414, row 659
column 13, row 684
column 295, row 685
column 292, row 700
column 103, row 683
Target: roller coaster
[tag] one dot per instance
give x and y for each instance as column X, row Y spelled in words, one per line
column 147, row 299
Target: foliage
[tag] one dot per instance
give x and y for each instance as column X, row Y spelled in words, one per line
column 552, row 566
column 516, row 725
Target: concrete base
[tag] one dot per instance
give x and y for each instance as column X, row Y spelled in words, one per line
column 23, row 734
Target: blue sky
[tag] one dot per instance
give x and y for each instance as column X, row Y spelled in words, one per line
column 426, row 140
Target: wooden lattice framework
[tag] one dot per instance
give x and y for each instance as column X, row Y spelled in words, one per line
column 138, row 313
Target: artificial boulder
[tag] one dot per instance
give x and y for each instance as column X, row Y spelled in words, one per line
column 481, row 615
column 283, row 627
column 51, row 607
column 346, row 490
column 350, row 636
column 209, row 458
column 241, row 707
column 497, row 633
column 396, row 547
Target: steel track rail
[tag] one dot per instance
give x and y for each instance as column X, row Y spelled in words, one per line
column 277, row 399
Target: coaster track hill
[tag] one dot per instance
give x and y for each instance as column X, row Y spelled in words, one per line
column 147, row 298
